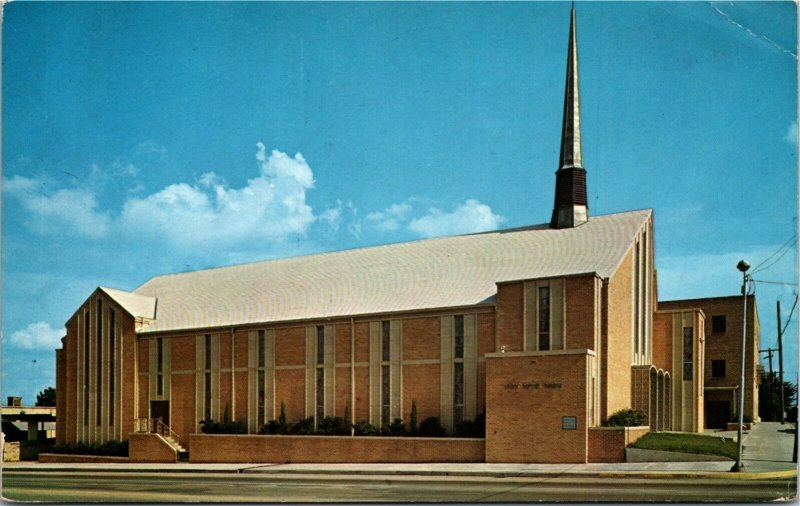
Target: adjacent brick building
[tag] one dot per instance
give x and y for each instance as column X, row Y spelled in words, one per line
column 547, row 330
column 722, row 364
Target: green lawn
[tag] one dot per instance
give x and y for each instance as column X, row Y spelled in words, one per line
column 688, row 443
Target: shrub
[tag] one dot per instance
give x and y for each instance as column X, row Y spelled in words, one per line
column 365, row 429
column 333, row 426
column 283, row 426
column 303, row 427
column 229, row 427
column 271, row 427
column 626, row 418
column 396, row 428
column 430, row 427
column 413, row 426
column 472, row 428
column 109, row 448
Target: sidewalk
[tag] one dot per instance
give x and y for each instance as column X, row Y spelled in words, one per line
column 768, row 454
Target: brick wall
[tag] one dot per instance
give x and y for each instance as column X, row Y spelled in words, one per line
column 208, row 448
column 524, row 423
column 617, row 359
column 421, row 384
column 662, row 341
column 150, row 448
column 509, row 316
column 579, row 322
column 607, row 444
column 61, row 400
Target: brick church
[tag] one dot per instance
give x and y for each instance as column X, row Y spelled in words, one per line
column 546, row 330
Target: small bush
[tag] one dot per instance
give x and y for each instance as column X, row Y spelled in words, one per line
column 472, row 428
column 228, row 427
column 626, row 418
column 396, row 428
column 366, row 429
column 431, row 427
column 333, row 426
column 109, row 448
column 303, row 427
column 271, row 427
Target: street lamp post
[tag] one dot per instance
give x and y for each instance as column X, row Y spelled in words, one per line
column 743, row 266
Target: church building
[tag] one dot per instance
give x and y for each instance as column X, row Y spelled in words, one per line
column 546, row 330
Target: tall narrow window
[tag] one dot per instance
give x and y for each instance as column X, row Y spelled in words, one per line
column 262, row 355
column 636, row 300
column 99, row 361
column 262, row 397
column 87, row 315
column 112, row 336
column 320, row 345
column 385, row 378
column 688, row 353
column 544, row 318
column 207, row 397
column 386, row 336
column 320, row 375
column 459, row 336
column 458, row 392
column 320, row 394
column 207, row 410
column 262, row 359
column 160, row 367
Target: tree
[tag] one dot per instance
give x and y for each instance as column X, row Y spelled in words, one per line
column 46, row 397
column 769, row 396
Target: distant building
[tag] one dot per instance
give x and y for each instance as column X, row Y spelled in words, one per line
column 722, row 364
column 547, row 330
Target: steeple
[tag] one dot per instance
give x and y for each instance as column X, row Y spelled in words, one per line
column 570, row 208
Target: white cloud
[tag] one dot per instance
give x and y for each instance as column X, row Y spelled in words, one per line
column 791, row 134
column 37, row 336
column 390, row 219
column 271, row 206
column 69, row 209
column 472, row 216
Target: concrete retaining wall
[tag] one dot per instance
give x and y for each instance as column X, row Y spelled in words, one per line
column 642, row 455
column 224, row 448
column 88, row 459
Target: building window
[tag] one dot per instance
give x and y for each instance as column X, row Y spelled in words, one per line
column 385, row 378
column 160, row 367
column 261, row 398
column 207, row 382
column 718, row 324
column 262, row 353
column 320, row 345
column 320, row 393
column 385, row 340
column 86, row 319
column 688, row 353
column 99, row 361
column 544, row 318
column 717, row 368
column 458, row 392
column 112, row 335
column 459, row 336
column 636, row 301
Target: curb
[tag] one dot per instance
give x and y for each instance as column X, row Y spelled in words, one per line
column 767, row 475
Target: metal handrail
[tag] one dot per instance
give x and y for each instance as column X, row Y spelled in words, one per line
column 155, row 426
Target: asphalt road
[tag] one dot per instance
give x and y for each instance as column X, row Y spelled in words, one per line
column 229, row 487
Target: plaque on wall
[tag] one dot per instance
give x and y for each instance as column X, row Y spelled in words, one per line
column 569, row 423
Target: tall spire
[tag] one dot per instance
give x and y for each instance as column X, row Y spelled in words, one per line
column 570, row 207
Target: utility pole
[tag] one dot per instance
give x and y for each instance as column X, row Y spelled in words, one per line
column 771, row 381
column 780, row 362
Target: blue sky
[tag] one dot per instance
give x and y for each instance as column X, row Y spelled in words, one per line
column 148, row 138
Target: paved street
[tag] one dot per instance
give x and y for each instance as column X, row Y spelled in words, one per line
column 253, row 487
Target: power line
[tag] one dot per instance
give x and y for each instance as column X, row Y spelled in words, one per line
column 783, row 249
column 790, row 315
column 774, row 282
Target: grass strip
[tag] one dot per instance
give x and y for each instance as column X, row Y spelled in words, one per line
column 687, row 443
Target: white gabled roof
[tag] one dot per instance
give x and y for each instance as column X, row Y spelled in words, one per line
column 139, row 306
column 434, row 273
